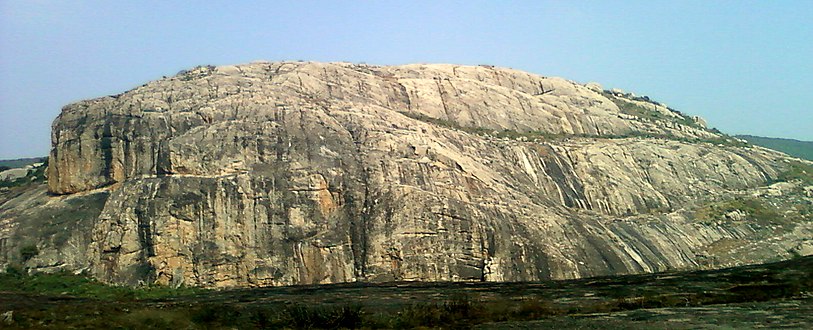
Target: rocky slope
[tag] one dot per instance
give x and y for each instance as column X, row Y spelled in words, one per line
column 292, row 173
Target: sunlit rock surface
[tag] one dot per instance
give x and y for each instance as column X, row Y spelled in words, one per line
column 296, row 173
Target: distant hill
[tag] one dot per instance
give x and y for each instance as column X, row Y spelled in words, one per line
column 15, row 163
column 796, row 148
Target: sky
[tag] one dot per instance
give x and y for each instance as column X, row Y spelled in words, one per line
column 745, row 66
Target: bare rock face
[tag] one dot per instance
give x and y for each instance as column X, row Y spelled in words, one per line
column 297, row 173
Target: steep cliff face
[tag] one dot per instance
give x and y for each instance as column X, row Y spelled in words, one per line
column 295, row 173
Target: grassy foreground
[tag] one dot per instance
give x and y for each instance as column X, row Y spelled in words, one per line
column 70, row 301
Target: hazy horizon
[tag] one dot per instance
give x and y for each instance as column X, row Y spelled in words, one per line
column 744, row 66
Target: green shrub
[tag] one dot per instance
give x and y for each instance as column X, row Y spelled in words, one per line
column 15, row 280
column 323, row 317
column 646, row 113
column 28, row 251
column 212, row 314
column 754, row 210
column 531, row 309
column 155, row 319
column 457, row 311
column 12, row 274
column 797, row 171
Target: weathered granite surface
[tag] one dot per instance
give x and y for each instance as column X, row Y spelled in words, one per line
column 295, row 173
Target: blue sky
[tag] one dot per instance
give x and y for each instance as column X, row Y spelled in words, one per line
column 745, row 66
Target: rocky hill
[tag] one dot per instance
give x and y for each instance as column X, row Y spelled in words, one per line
column 295, row 173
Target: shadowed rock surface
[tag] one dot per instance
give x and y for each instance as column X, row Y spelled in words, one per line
column 311, row 173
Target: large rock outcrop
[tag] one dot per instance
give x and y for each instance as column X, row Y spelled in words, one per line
column 297, row 173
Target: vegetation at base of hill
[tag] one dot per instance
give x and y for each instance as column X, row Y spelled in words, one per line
column 69, row 301
column 768, row 206
column 797, row 171
column 539, row 136
column 752, row 209
column 16, row 279
column 795, row 148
